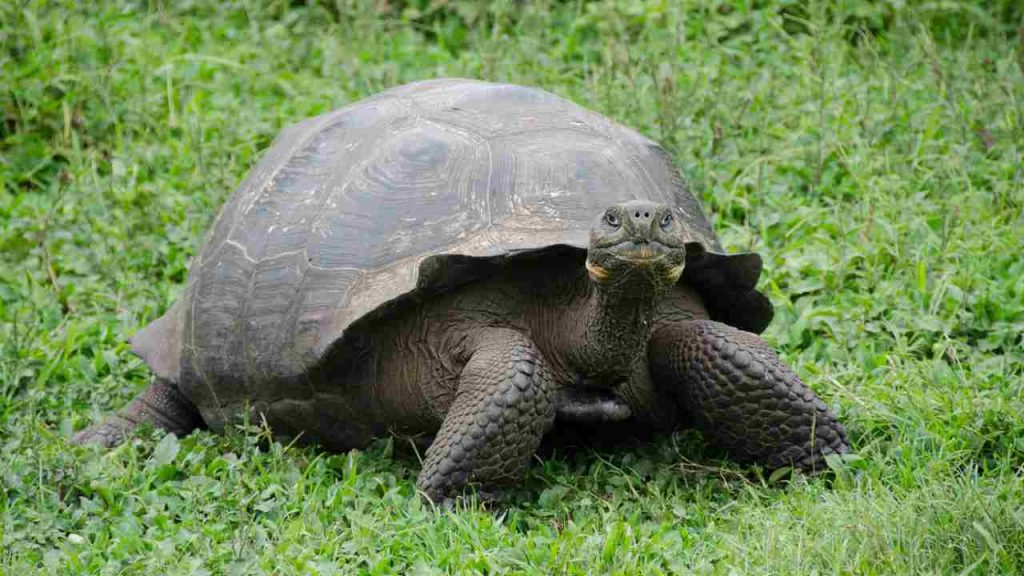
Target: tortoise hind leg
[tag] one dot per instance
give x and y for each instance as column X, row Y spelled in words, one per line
column 742, row 396
column 161, row 405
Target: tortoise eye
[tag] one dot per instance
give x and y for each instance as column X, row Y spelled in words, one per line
column 667, row 220
column 612, row 219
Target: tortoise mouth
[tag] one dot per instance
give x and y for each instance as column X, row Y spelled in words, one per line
column 640, row 252
column 630, row 260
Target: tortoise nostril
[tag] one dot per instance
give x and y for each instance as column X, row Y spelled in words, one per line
column 641, row 213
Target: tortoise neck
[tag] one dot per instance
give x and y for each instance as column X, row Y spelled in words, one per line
column 614, row 329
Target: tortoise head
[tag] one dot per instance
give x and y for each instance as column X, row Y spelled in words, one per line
column 636, row 243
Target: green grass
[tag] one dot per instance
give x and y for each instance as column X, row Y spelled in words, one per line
column 872, row 153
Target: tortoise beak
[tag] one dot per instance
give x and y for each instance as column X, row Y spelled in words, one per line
column 640, row 252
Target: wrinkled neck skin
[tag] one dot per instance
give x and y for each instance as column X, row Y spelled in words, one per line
column 613, row 328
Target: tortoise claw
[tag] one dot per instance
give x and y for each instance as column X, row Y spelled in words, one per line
column 106, row 434
column 584, row 406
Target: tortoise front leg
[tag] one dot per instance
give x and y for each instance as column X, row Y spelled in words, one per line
column 504, row 405
column 742, row 396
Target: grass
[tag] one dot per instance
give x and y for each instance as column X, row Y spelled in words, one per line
column 871, row 151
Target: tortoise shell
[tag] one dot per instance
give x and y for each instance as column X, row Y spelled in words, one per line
column 410, row 192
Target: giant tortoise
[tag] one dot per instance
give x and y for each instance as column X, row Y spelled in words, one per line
column 472, row 263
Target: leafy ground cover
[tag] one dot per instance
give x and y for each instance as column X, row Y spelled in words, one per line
column 871, row 151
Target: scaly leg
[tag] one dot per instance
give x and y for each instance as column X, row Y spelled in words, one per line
column 162, row 405
column 504, row 405
column 742, row 396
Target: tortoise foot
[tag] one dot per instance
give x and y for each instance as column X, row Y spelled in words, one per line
column 107, row 434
